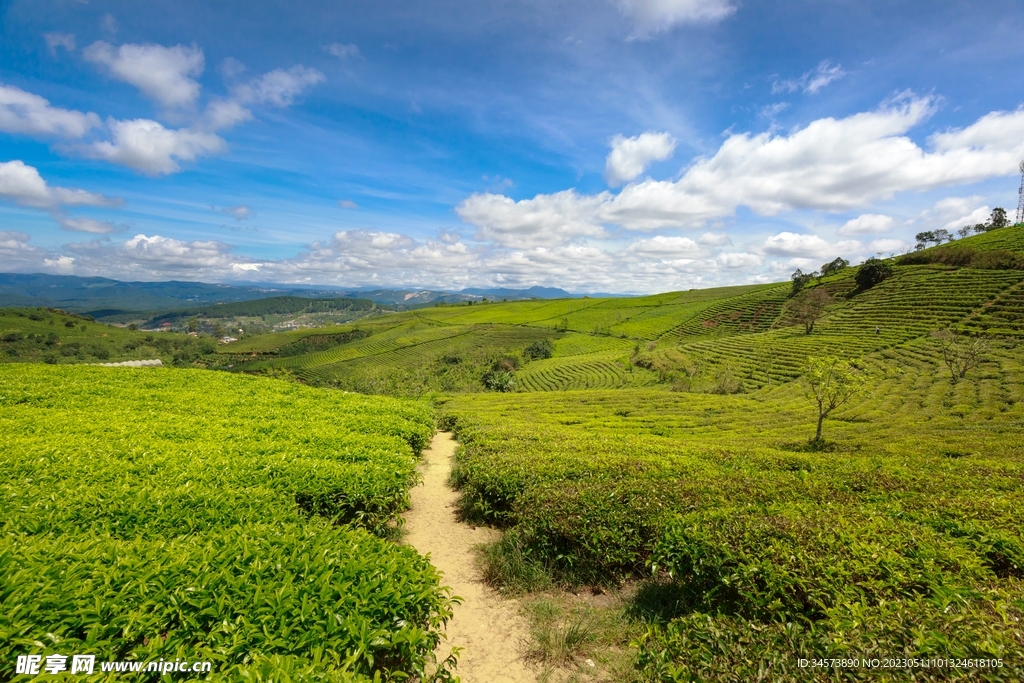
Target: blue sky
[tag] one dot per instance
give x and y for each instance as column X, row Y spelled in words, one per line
column 609, row 145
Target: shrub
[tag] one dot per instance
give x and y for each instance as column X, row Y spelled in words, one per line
column 872, row 272
column 542, row 348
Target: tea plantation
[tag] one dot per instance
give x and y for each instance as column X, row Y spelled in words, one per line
column 169, row 513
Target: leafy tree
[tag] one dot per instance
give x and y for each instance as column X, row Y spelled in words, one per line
column 998, row 219
column 810, row 306
column 964, row 231
column 942, row 235
column 924, row 239
column 833, row 267
column 193, row 324
column 831, row 382
column 960, row 354
column 980, row 227
column 538, row 349
column 800, row 279
column 872, row 272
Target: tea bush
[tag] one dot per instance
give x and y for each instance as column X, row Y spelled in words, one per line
column 183, row 513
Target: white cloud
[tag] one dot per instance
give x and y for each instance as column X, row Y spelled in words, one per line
column 714, row 239
column 64, row 40
column 979, row 215
column 231, row 67
column 812, row 81
column 342, row 51
column 279, row 87
column 888, row 246
column 545, row 220
column 347, row 204
column 664, row 247
column 793, row 244
column 736, row 260
column 172, row 252
column 772, row 110
column 953, row 213
column 651, row 17
column 240, row 212
column 86, row 225
column 830, row 165
column 866, row 224
column 11, row 240
column 148, row 147
column 631, row 156
column 23, row 185
column 29, row 114
column 223, row 114
column 164, row 74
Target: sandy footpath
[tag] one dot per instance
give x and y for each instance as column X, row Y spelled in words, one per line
column 487, row 626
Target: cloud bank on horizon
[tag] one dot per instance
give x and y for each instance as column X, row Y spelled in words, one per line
column 579, row 146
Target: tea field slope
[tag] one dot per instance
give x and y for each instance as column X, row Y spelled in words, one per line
column 901, row 536
column 165, row 513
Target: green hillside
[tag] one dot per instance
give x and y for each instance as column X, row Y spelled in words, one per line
column 660, row 445
column 42, row 335
column 166, row 513
column 725, row 340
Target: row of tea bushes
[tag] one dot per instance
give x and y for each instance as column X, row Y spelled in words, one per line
column 158, row 513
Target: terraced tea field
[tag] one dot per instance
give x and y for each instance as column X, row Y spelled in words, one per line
column 903, row 536
column 160, row 514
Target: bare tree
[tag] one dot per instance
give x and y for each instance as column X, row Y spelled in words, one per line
column 810, row 306
column 960, row 353
column 832, row 383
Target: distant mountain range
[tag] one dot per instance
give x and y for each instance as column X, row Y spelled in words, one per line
column 102, row 297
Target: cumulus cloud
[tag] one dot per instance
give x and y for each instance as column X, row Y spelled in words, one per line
column 55, row 40
column 279, row 87
column 631, row 156
column 164, row 74
column 867, row 224
column 29, row 114
column 22, row 184
column 812, row 81
column 794, row 244
column 888, row 246
column 664, row 247
column 223, row 114
column 714, row 239
column 953, row 213
column 545, row 220
column 831, row 165
column 651, row 17
column 342, row 51
column 147, row 147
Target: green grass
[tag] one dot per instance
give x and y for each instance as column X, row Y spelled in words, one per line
column 171, row 513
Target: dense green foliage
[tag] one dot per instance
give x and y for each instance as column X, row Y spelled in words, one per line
column 899, row 536
column 42, row 335
column 183, row 513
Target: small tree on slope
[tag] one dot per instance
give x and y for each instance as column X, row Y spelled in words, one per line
column 961, row 354
column 832, row 382
column 810, row 306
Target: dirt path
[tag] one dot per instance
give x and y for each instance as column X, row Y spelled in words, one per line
column 486, row 626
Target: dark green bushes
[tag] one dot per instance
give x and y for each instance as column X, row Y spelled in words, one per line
column 963, row 256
